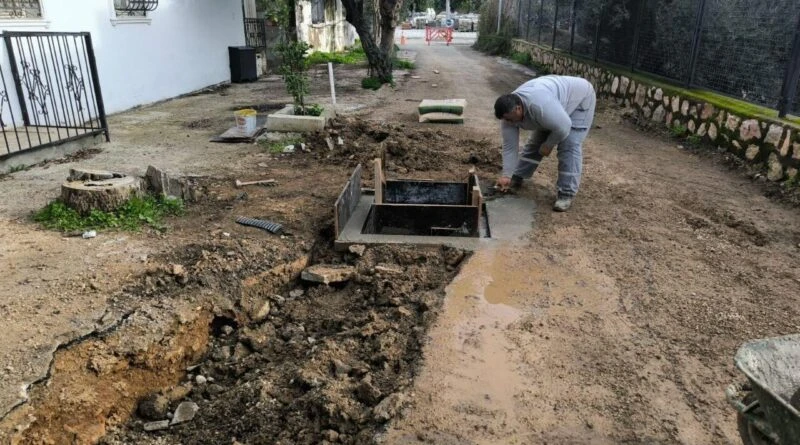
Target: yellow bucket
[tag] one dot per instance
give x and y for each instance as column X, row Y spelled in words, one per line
column 246, row 120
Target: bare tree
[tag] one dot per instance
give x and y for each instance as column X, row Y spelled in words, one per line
column 375, row 21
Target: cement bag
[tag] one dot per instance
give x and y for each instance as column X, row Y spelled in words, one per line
column 452, row 106
column 441, row 118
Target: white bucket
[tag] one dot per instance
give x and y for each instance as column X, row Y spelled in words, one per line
column 246, row 120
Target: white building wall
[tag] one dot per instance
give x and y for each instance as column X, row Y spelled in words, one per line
column 180, row 47
column 332, row 35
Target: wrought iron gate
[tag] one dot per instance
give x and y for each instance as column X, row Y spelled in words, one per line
column 55, row 95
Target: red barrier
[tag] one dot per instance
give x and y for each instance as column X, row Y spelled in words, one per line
column 438, row 33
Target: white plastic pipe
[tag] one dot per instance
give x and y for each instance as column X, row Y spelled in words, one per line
column 333, row 87
column 499, row 14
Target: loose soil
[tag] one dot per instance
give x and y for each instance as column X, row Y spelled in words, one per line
column 613, row 323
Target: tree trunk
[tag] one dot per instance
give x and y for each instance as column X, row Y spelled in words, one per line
column 105, row 195
column 379, row 52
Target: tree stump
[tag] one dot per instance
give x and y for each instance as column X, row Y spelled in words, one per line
column 106, row 195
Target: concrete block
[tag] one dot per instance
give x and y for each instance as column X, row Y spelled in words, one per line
column 285, row 120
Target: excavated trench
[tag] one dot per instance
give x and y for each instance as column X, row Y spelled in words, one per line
column 263, row 355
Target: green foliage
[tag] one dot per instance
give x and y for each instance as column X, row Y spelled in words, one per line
column 403, row 64
column 371, row 83
column 352, row 56
column 276, row 11
column 489, row 40
column 694, row 140
column 17, row 168
column 522, row 58
column 678, row 130
column 131, row 216
column 314, row 110
column 276, row 147
column 294, row 71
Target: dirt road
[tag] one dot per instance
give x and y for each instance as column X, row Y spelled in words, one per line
column 617, row 321
column 613, row 323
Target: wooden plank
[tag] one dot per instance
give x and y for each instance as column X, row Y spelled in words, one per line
column 477, row 201
column 347, row 201
column 378, row 181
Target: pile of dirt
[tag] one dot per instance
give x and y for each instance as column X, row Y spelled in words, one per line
column 408, row 148
column 328, row 365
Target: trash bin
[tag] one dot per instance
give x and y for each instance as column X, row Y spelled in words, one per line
column 243, row 64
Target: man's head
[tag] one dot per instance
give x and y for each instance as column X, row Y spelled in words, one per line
column 509, row 108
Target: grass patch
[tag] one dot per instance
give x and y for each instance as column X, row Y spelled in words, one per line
column 403, row 64
column 132, row 216
column 354, row 55
column 276, row 147
column 371, row 83
column 678, row 131
column 17, row 168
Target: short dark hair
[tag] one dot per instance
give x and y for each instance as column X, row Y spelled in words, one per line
column 505, row 104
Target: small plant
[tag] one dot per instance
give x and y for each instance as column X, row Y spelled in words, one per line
column 678, row 130
column 276, row 147
column 17, row 168
column 371, row 83
column 522, row 58
column 403, row 64
column 693, row 140
column 131, row 216
column 294, row 71
column 314, row 110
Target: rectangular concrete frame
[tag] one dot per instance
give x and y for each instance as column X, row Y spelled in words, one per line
column 352, row 228
column 285, row 120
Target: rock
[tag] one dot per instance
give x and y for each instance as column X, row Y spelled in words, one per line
column 691, row 126
column 434, row 85
column 749, row 130
column 367, row 393
column 640, row 95
column 693, row 111
column 240, row 351
column 221, row 354
column 330, row 435
column 659, row 94
column 796, row 150
column 155, row 426
column 227, row 329
column 257, row 339
column 329, row 141
column 357, row 249
column 339, row 368
column 184, row 413
column 752, row 152
column 614, row 85
column 388, row 269
column 658, row 114
column 787, row 144
column 732, row 122
column 200, row 380
column 339, row 141
column 708, row 111
column 712, row 131
column 676, row 104
column 278, row 300
column 791, row 173
column 327, row 274
column 774, row 135
column 260, row 311
column 297, row 293
column 702, row 130
column 685, row 107
column 435, row 71
column 647, row 112
column 775, row 168
column 388, row 408
column 623, row 85
column 170, row 184
column 154, row 407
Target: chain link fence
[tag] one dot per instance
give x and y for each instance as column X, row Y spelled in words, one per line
column 747, row 49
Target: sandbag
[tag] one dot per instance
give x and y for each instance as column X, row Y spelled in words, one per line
column 452, row 106
column 441, row 118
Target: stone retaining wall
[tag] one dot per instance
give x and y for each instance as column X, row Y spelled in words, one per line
column 769, row 143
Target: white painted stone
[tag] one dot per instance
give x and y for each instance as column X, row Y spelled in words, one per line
column 733, row 122
column 685, row 107
column 658, row 114
column 702, row 130
column 646, row 111
column 615, row 85
column 752, row 152
column 659, row 94
column 796, row 150
column 721, row 117
column 666, row 101
column 791, row 173
column 737, row 145
column 676, row 104
column 712, row 131
column 640, row 95
column 693, row 110
column 775, row 168
column 691, row 126
column 708, row 111
column 787, row 143
column 774, row 135
column 633, row 87
column 750, row 130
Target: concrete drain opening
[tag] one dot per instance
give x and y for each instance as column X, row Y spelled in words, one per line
column 411, row 212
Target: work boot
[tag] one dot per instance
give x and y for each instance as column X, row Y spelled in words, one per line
column 563, row 203
column 516, row 182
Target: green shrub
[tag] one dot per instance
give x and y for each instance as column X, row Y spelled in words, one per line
column 371, row 83
column 403, row 64
column 678, row 130
column 294, row 71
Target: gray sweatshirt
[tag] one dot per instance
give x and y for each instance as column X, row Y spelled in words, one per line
column 551, row 103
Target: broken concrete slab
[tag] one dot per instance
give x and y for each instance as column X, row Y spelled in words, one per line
column 184, row 413
column 327, row 274
column 172, row 184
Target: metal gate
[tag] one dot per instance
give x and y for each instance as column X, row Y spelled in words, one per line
column 50, row 91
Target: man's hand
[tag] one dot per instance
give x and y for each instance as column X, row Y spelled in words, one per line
column 503, row 183
column 545, row 150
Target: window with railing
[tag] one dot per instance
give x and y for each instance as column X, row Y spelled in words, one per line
column 20, row 9
column 134, row 8
column 317, row 11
